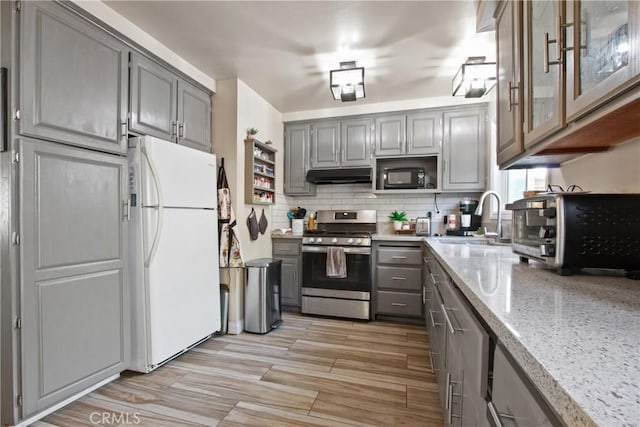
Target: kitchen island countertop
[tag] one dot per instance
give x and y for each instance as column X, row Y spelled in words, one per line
column 576, row 337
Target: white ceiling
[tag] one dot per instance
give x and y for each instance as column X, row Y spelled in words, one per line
column 285, row 49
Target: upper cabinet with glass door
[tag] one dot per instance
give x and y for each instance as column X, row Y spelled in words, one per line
column 543, row 73
column 603, row 56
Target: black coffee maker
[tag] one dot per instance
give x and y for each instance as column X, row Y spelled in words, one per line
column 469, row 221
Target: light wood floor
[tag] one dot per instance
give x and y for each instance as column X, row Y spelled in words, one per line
column 310, row 372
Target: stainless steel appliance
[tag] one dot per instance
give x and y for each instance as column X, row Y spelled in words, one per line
column 404, row 177
column 569, row 231
column 262, row 308
column 340, row 297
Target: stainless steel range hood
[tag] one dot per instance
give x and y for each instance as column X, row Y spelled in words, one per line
column 339, row 176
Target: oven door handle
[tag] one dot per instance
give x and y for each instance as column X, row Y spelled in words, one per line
column 349, row 250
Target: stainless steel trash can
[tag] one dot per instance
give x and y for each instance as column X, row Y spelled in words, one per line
column 262, row 304
column 224, row 309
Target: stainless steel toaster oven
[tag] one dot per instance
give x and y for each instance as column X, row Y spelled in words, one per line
column 570, row 231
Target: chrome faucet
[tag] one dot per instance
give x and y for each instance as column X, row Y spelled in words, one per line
column 498, row 234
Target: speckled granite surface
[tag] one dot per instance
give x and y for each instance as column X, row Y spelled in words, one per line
column 577, row 338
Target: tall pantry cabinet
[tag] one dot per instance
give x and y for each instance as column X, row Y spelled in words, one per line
column 65, row 294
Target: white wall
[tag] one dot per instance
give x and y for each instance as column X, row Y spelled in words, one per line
column 135, row 33
column 615, row 171
column 237, row 107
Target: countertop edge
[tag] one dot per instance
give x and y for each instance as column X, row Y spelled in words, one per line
column 567, row 408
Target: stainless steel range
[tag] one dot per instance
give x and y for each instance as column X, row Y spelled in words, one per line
column 340, row 297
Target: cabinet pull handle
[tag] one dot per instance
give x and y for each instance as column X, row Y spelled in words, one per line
column 449, row 399
column 448, row 321
column 433, row 278
column 446, row 396
column 398, row 278
column 433, row 323
column 511, row 89
column 398, row 304
column 444, row 166
column 398, row 257
column 496, row 416
column 433, row 369
column 560, row 41
column 123, row 129
column 174, row 129
column 181, row 130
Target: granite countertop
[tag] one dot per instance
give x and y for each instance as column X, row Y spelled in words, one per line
column 577, row 337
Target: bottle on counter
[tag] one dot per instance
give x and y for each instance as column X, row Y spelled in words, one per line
column 311, row 225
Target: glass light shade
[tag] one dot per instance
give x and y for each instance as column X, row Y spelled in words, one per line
column 347, row 84
column 474, row 79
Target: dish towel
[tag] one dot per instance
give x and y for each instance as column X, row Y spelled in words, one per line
column 336, row 263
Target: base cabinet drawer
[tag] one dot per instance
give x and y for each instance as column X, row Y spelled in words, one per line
column 399, row 303
column 407, row 278
column 399, row 255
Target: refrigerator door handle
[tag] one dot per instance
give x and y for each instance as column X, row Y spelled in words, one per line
column 156, row 238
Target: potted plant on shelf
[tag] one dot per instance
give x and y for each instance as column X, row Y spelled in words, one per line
column 251, row 133
column 398, row 218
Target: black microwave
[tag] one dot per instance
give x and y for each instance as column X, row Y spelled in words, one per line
column 407, row 177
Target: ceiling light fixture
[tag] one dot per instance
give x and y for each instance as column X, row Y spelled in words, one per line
column 474, row 78
column 347, row 83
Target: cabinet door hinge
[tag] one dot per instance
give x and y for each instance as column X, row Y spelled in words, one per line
column 19, row 400
column 17, row 115
column 19, row 323
column 16, row 157
column 18, row 6
column 15, row 238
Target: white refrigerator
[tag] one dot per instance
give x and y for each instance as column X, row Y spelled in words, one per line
column 173, row 250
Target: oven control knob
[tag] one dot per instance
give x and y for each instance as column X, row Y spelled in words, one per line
column 334, row 240
column 350, row 241
column 311, row 240
column 547, row 232
column 359, row 241
column 548, row 251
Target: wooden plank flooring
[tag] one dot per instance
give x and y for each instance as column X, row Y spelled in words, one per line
column 311, row 371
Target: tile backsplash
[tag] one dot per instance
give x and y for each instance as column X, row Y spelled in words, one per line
column 360, row 196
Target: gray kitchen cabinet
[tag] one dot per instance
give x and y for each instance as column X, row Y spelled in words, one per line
column 289, row 251
column 512, row 403
column 573, row 73
column 167, row 107
column 411, row 134
column 398, row 280
column 325, row 144
column 543, row 82
column 463, row 163
column 154, row 106
column 296, row 161
column 391, row 135
column 194, row 117
column 73, row 79
column 424, row 132
column 73, row 271
column 605, row 62
column 355, row 142
column 466, row 360
column 510, row 81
